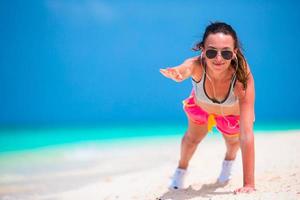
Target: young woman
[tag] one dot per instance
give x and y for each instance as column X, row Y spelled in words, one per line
column 222, row 96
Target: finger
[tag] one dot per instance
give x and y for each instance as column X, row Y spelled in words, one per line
column 175, row 73
column 171, row 71
column 243, row 190
column 250, row 190
column 237, row 191
column 165, row 73
column 177, row 80
column 180, row 76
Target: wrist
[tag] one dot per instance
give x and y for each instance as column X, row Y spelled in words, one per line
column 249, row 185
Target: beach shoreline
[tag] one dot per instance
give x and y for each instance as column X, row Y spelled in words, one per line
column 143, row 171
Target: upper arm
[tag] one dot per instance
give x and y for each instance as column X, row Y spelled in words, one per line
column 246, row 102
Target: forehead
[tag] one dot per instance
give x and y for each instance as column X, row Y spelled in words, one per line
column 219, row 41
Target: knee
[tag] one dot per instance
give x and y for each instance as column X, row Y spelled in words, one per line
column 190, row 140
column 233, row 143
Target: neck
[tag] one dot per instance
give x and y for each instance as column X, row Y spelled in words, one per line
column 218, row 76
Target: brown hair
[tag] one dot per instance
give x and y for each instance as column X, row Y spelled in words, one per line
column 220, row 27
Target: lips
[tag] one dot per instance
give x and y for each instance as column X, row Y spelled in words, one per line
column 218, row 64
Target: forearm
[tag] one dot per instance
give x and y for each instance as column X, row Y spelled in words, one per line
column 186, row 69
column 248, row 158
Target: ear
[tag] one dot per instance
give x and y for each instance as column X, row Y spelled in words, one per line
column 202, row 53
column 235, row 51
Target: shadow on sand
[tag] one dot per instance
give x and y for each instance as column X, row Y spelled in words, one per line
column 206, row 191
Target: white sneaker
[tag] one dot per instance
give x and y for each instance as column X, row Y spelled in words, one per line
column 226, row 172
column 177, row 181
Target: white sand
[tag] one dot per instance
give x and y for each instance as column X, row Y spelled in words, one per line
column 142, row 170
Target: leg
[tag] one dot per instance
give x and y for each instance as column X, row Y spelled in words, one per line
column 190, row 141
column 232, row 146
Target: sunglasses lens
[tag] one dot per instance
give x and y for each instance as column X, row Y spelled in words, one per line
column 211, row 53
column 227, row 55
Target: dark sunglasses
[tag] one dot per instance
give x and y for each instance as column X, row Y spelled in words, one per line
column 212, row 53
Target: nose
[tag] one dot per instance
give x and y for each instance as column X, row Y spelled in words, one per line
column 219, row 56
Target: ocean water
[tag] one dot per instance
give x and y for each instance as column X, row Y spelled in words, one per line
column 18, row 139
column 61, row 159
column 22, row 139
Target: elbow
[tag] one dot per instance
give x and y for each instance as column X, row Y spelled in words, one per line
column 246, row 137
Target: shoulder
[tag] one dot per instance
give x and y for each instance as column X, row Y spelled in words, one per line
column 248, row 93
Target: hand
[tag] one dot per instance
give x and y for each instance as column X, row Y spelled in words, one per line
column 172, row 74
column 245, row 189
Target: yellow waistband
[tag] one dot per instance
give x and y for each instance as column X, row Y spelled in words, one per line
column 211, row 122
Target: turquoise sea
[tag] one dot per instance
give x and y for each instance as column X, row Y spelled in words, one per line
column 36, row 162
column 20, row 139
